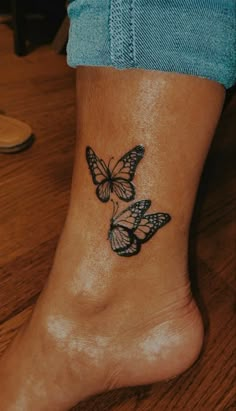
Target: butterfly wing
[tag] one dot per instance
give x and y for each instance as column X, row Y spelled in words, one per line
column 132, row 215
column 133, row 249
column 149, row 225
column 120, row 238
column 147, row 228
column 125, row 168
column 100, row 175
column 123, row 173
column 131, row 228
column 103, row 191
column 97, row 167
column 123, row 189
column 121, row 234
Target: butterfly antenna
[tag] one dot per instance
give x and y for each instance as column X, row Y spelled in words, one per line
column 113, row 211
column 117, row 207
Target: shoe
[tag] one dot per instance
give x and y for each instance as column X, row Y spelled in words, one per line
column 15, row 135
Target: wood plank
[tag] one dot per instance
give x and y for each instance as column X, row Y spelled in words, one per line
column 9, row 328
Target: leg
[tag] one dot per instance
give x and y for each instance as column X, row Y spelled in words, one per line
column 105, row 321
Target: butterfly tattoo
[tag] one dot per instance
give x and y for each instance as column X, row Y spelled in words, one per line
column 118, row 179
column 132, row 227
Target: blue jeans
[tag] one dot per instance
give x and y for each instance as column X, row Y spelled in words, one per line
column 196, row 37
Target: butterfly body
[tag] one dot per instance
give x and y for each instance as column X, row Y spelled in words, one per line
column 132, row 227
column 117, row 180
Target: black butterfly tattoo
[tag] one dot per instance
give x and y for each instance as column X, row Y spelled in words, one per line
column 132, row 227
column 117, row 180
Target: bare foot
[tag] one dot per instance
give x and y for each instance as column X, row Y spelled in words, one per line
column 106, row 321
column 94, row 330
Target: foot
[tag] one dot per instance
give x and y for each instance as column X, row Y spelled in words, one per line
column 101, row 325
column 106, row 321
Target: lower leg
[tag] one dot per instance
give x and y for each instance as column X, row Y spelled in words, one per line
column 103, row 320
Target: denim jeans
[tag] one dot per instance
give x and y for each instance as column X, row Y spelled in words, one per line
column 196, row 37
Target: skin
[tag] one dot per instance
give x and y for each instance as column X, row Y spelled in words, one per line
column 104, row 321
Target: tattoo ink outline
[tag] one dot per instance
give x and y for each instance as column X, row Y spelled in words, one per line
column 117, row 180
column 132, row 227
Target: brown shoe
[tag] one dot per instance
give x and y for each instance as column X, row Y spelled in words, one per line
column 15, row 135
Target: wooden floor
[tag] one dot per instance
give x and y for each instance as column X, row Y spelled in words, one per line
column 34, row 189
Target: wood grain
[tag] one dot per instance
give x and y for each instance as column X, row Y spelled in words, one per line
column 34, row 192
